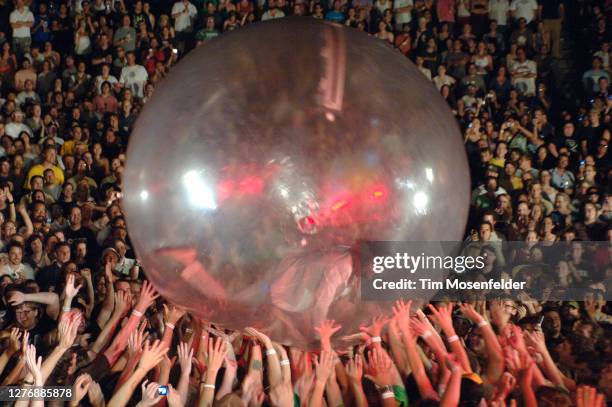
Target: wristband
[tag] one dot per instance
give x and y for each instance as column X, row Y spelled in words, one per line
column 170, row 326
column 284, row 362
column 271, row 352
column 13, row 203
column 483, row 323
column 66, row 309
column 452, row 339
column 426, row 334
column 188, row 330
column 376, row 339
column 387, row 395
column 137, row 313
column 209, row 386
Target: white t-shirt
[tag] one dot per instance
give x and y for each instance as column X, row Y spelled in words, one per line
column 22, row 17
column 498, row 11
column 14, row 129
column 524, row 9
column 134, row 77
column 402, row 18
column 425, row 71
column 447, row 80
column 525, row 85
column 184, row 20
column 100, row 80
column 272, row 14
column 23, row 271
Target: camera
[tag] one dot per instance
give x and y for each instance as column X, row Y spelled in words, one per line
column 162, row 390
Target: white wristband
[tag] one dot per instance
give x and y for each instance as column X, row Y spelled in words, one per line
column 452, row 339
column 483, row 323
column 66, row 309
column 271, row 352
column 209, row 386
column 387, row 395
column 170, row 326
column 284, row 362
column 376, row 339
column 426, row 334
column 137, row 313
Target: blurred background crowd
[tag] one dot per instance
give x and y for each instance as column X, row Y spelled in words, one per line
column 529, row 84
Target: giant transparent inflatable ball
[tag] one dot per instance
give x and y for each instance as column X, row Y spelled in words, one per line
column 268, row 154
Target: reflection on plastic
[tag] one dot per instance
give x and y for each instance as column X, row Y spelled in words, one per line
column 268, row 154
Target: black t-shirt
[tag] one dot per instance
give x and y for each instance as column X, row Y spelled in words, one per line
column 550, row 9
column 50, row 276
column 82, row 233
column 101, row 53
column 42, row 328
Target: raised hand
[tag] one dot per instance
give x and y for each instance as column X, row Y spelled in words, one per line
column 326, row 330
column 261, row 337
column 150, row 395
column 67, row 330
column 174, row 398
column 216, row 354
column 587, row 396
column 514, row 335
column 185, row 355
column 444, row 316
column 70, row 290
column 506, row 385
column 536, row 339
column 470, row 313
column 354, row 369
column 173, row 313
column 376, row 327
column 16, row 298
column 281, row 395
column 122, row 303
column 147, row 296
column 401, row 312
column 14, row 341
column 81, row 386
column 95, row 395
column 303, row 385
column 34, row 365
column 152, row 355
column 380, row 368
column 135, row 342
column 453, row 364
column 86, row 273
column 420, row 327
column 324, row 366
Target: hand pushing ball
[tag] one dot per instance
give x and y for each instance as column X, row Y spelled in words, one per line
column 267, row 154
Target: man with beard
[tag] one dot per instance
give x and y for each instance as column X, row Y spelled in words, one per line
column 38, row 214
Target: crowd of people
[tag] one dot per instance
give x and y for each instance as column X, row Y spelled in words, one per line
column 77, row 310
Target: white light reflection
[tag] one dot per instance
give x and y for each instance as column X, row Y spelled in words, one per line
column 429, row 175
column 144, row 195
column 420, row 201
column 199, row 194
column 405, row 184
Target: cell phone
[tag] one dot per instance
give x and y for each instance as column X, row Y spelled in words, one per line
column 582, row 162
column 174, row 50
column 162, row 390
